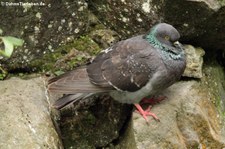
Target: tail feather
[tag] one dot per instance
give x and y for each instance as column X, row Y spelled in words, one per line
column 76, row 81
column 76, row 85
column 69, row 99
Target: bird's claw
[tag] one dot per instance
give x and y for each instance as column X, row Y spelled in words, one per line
column 145, row 113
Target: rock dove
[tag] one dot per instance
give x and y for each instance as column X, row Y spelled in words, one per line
column 128, row 71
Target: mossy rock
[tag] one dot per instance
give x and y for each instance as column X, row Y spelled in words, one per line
column 43, row 29
column 67, row 56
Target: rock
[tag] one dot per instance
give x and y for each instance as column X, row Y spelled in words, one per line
column 194, row 60
column 200, row 22
column 128, row 17
column 93, row 124
column 24, row 116
column 189, row 118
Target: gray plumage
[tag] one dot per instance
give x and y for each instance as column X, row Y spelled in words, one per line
column 129, row 70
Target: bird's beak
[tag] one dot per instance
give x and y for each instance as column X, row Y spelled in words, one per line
column 176, row 44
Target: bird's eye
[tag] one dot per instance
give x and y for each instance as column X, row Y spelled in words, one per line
column 167, row 37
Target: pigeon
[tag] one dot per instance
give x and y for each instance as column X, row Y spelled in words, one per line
column 128, row 71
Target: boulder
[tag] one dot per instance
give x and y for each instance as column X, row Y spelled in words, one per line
column 24, row 116
column 91, row 123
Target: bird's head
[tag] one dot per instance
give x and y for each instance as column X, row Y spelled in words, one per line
column 165, row 34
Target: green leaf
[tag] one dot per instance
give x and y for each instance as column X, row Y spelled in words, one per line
column 8, row 47
column 9, row 43
column 59, row 72
column 14, row 41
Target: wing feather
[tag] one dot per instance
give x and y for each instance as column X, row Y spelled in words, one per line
column 128, row 66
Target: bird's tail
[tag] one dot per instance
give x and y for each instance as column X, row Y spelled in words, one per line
column 76, row 81
column 75, row 84
column 69, row 99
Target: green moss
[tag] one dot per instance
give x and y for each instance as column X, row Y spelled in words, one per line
column 44, row 63
column 85, row 43
column 65, row 57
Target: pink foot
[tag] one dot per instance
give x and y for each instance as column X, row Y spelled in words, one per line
column 145, row 113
